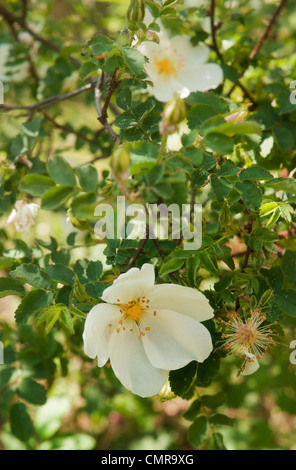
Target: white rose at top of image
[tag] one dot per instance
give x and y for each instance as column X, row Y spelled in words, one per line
column 23, row 215
column 176, row 66
column 147, row 330
column 194, row 3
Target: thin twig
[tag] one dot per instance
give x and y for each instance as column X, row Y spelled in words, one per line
column 103, row 112
column 219, row 54
column 246, row 260
column 68, row 128
column 21, row 21
column 138, row 252
column 48, row 101
column 261, row 40
column 213, row 30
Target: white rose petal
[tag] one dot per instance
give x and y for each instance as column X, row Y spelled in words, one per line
column 250, row 364
column 132, row 366
column 174, row 340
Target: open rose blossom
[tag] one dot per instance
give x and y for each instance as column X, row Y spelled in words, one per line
column 175, row 66
column 23, row 215
column 147, row 330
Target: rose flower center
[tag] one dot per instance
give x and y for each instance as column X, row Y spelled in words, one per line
column 165, row 67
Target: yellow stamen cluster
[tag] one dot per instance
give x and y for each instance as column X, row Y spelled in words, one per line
column 165, row 67
column 133, row 310
column 247, row 335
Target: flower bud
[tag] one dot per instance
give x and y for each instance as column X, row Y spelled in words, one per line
column 120, row 161
column 174, row 112
column 237, row 117
column 136, row 11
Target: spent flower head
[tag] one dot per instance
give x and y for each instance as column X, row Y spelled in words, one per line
column 249, row 338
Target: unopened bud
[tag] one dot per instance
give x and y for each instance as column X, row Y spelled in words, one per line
column 174, row 112
column 238, row 117
column 136, row 11
column 120, row 161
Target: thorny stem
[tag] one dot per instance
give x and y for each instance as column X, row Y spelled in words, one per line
column 262, row 39
column 48, row 101
column 246, row 260
column 162, row 149
column 217, row 50
column 103, row 112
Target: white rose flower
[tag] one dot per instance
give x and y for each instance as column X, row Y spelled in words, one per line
column 23, row 215
column 175, row 66
column 147, row 330
column 194, row 3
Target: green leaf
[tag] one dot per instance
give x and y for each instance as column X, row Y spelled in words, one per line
column 55, row 197
column 274, row 277
column 255, row 173
column 10, row 286
column 250, row 194
column 100, row 44
column 94, row 270
column 284, row 138
column 32, row 392
column 126, row 120
column 218, row 104
column 88, row 177
column 124, row 99
column 268, row 208
column 32, row 274
column 6, row 374
column 213, row 401
column 286, row 300
column 61, row 171
column 83, row 207
column 198, row 431
column 282, row 184
column 221, row 187
column 95, row 289
column 289, row 266
column 134, row 59
column 193, row 410
column 170, row 266
column 20, row 422
column 198, row 114
column 32, row 128
column 182, row 379
column 60, row 273
column 86, row 69
column 67, row 320
column 218, row 442
column 154, row 8
column 221, row 420
column 229, row 168
column 207, row 370
column 209, row 263
column 36, row 185
column 34, row 300
column 219, row 142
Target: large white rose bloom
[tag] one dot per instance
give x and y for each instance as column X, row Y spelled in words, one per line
column 147, row 330
column 23, row 215
column 175, row 66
